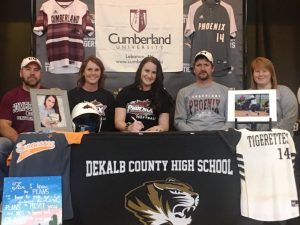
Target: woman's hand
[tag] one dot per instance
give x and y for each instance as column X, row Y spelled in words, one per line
column 51, row 120
column 136, row 126
column 155, row 129
column 46, row 122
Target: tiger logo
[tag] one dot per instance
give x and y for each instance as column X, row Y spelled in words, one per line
column 162, row 202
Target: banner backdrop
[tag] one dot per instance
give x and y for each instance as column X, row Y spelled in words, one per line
column 142, row 28
column 130, row 179
column 231, row 77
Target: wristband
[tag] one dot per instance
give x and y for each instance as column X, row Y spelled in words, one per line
column 126, row 126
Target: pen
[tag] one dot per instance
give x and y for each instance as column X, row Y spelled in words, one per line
column 134, row 119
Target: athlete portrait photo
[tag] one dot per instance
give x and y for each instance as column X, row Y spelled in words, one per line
column 51, row 110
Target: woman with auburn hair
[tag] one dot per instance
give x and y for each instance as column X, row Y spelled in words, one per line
column 144, row 105
column 263, row 76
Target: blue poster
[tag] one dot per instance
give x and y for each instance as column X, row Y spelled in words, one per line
column 32, row 201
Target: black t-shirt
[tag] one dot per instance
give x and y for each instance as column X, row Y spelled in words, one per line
column 138, row 105
column 102, row 99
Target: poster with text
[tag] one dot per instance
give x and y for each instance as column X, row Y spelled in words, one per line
column 32, row 201
column 142, row 28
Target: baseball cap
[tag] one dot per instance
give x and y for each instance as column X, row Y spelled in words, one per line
column 206, row 54
column 30, row 59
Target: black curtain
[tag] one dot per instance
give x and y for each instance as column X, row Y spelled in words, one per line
column 273, row 31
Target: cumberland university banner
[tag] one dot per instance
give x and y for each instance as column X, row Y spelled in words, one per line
column 129, row 30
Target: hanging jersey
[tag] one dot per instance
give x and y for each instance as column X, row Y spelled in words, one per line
column 268, row 189
column 65, row 24
column 37, row 154
column 210, row 27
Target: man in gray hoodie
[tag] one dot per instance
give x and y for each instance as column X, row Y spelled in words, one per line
column 203, row 104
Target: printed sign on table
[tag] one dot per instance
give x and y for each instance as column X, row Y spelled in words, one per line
column 32, row 200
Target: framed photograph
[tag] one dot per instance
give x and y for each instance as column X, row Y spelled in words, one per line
column 50, row 109
column 252, row 105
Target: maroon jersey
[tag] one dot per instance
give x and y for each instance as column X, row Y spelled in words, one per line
column 65, row 24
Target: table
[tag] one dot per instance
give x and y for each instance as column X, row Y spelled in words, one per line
column 114, row 177
column 182, row 177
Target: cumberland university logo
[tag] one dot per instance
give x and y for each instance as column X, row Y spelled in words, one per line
column 138, row 19
column 162, row 202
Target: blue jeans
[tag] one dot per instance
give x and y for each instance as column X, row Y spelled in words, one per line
column 6, row 146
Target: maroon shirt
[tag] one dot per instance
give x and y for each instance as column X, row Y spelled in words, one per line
column 16, row 106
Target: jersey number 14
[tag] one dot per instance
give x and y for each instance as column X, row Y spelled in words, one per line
column 284, row 153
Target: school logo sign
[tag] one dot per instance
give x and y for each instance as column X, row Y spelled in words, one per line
column 162, row 202
column 138, row 19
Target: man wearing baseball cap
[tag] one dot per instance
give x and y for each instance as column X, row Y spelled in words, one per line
column 16, row 111
column 203, row 104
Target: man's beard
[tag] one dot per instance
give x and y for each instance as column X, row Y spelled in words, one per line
column 31, row 84
column 203, row 76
